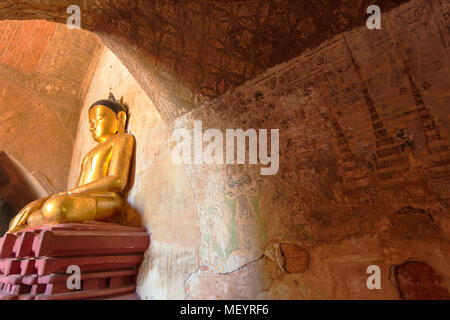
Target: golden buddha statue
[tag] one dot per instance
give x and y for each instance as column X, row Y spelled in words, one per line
column 103, row 178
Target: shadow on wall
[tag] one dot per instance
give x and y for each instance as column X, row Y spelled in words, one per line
column 17, row 189
column 6, row 214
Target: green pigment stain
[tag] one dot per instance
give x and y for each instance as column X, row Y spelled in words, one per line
column 233, row 242
column 218, row 250
column 309, row 238
column 300, row 227
column 262, row 225
column 304, row 290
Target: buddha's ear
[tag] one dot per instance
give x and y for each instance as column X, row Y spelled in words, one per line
column 121, row 122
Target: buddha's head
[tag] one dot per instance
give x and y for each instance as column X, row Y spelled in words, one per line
column 107, row 118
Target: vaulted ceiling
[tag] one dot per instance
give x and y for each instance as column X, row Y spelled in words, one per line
column 44, row 71
column 183, row 52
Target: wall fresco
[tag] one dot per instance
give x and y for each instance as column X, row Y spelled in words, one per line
column 363, row 137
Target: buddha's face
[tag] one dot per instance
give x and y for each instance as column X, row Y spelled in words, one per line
column 103, row 123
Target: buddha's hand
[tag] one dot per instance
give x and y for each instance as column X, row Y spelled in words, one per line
column 20, row 220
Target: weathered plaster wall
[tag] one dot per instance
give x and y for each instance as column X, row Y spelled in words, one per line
column 363, row 180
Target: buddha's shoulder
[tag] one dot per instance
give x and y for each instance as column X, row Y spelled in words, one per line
column 123, row 138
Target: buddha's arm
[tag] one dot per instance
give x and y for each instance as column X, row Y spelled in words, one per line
column 119, row 169
column 82, row 167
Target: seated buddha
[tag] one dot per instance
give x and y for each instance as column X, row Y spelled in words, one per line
column 98, row 195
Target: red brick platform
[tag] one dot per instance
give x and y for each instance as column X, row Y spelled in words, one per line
column 34, row 262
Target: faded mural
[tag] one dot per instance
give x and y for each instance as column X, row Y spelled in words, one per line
column 363, row 149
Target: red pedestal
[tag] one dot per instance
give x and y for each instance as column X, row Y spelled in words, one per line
column 34, row 262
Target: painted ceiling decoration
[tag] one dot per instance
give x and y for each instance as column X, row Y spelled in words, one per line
column 183, row 52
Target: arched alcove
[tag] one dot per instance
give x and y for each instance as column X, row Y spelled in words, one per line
column 44, row 72
column 17, row 188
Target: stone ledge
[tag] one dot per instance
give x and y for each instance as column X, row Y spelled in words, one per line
column 33, row 262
